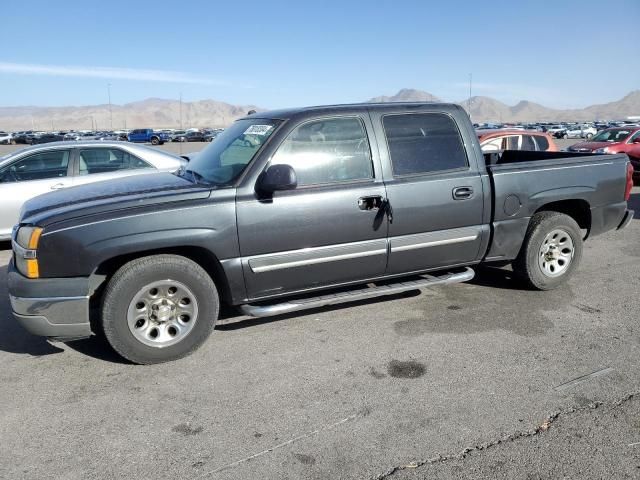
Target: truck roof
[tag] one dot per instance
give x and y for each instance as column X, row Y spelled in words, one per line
column 288, row 113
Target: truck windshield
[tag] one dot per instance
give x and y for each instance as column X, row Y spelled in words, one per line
column 222, row 162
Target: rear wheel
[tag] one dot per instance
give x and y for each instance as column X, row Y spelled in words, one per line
column 155, row 140
column 565, row 136
column 551, row 251
column 589, row 135
column 159, row 308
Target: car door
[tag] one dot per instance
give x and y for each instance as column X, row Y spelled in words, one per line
column 93, row 164
column 322, row 232
column 27, row 177
column 436, row 197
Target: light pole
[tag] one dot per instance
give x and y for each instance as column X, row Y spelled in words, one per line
column 470, row 83
column 110, row 111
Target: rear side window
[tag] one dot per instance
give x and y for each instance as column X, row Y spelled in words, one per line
column 105, row 160
column 326, row 151
column 543, row 143
column 423, row 143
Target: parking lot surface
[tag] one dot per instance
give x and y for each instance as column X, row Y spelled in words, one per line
column 477, row 380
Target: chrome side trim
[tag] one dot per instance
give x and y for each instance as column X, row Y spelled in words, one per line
column 434, row 239
column 57, row 310
column 427, row 280
column 316, row 255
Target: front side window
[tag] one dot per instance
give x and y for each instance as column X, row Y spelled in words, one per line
column 424, row 143
column 106, row 160
column 331, row 150
column 40, row 166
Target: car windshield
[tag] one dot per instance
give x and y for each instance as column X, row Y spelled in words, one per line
column 222, row 162
column 612, row 135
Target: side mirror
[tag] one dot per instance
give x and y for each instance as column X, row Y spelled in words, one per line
column 278, row 177
column 636, row 140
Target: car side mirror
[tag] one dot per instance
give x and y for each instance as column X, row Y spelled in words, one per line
column 636, row 140
column 278, row 177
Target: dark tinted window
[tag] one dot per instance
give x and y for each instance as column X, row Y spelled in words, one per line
column 512, row 142
column 40, row 166
column 104, row 160
column 543, row 143
column 327, row 151
column 424, row 143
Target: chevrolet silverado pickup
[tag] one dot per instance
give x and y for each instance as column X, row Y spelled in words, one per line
column 294, row 209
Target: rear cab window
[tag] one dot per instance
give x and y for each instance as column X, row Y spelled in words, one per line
column 424, row 143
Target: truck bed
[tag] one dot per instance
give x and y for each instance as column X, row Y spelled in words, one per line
column 522, row 182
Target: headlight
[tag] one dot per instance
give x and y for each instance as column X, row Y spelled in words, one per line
column 601, row 150
column 25, row 248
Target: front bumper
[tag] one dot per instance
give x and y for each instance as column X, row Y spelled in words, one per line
column 52, row 307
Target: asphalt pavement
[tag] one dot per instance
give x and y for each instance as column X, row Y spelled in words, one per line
column 476, row 380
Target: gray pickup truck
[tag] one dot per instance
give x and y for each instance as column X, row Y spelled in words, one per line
column 295, row 209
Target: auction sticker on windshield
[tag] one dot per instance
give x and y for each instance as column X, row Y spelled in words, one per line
column 258, row 129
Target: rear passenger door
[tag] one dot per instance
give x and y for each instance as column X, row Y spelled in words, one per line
column 436, row 198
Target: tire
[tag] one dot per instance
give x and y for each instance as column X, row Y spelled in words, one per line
column 547, row 260
column 589, row 136
column 129, row 307
column 565, row 136
column 155, row 141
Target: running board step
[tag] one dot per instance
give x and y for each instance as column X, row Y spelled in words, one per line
column 360, row 294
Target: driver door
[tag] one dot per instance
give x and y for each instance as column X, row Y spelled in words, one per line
column 28, row 177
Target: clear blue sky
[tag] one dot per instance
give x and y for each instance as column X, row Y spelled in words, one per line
column 277, row 53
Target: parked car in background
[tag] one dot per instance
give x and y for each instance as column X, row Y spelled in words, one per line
column 577, row 131
column 46, row 138
column 6, row 138
column 21, row 136
column 611, row 140
column 553, row 129
column 32, row 171
column 510, row 139
column 176, row 135
column 148, row 135
column 193, row 136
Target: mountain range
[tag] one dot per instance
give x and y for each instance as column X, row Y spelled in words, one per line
column 162, row 113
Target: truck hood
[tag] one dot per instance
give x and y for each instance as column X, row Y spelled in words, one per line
column 126, row 192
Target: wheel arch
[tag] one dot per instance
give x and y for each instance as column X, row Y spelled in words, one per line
column 578, row 209
column 203, row 257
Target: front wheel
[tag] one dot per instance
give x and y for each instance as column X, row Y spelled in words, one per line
column 565, row 136
column 589, row 135
column 159, row 308
column 551, row 251
column 155, row 141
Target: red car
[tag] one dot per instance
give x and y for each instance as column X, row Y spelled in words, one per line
column 515, row 139
column 611, row 140
column 634, row 156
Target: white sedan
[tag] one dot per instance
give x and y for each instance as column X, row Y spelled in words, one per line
column 35, row 170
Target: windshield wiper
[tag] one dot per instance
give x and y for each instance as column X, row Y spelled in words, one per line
column 193, row 176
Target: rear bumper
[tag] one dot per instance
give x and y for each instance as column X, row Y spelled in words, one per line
column 628, row 216
column 54, row 307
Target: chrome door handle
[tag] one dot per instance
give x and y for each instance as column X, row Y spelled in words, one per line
column 370, row 203
column 462, row 193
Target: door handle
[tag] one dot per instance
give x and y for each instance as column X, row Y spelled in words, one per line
column 57, row 186
column 462, row 193
column 373, row 202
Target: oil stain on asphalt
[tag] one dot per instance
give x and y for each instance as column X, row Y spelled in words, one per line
column 408, row 369
column 470, row 308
